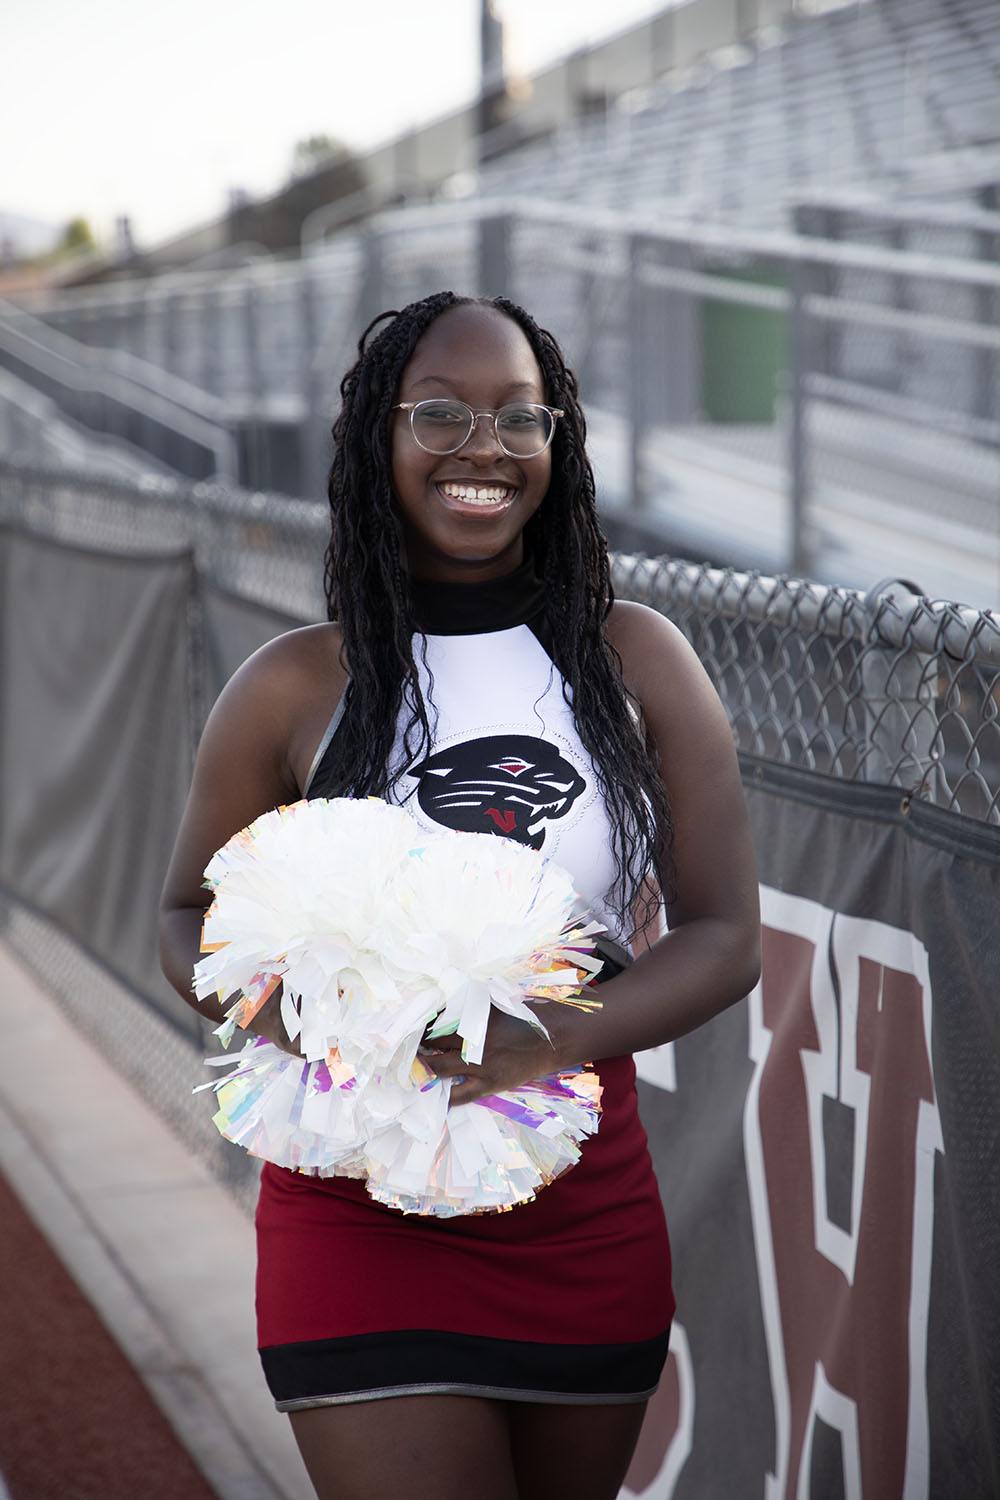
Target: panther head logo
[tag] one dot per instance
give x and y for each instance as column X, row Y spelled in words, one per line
column 510, row 785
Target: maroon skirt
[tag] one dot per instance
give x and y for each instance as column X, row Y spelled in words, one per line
column 563, row 1299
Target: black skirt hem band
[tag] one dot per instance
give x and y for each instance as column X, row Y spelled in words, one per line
column 370, row 1367
column 486, row 1392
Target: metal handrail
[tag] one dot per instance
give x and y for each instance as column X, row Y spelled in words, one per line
column 116, row 376
column 44, row 429
column 711, row 239
column 132, row 367
column 707, row 238
column 924, row 215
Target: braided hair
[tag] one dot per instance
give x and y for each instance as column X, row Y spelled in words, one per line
column 368, row 593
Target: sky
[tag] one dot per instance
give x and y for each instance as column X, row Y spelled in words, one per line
column 117, row 107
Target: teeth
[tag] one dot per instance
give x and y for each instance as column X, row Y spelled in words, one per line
column 476, row 494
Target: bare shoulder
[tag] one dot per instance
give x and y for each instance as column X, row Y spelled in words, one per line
column 680, row 708
column 257, row 747
column 299, row 659
column 686, row 722
column 279, row 702
column 657, row 658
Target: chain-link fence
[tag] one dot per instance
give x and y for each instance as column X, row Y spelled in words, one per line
column 886, row 687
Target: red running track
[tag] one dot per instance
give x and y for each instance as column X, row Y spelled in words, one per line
column 76, row 1421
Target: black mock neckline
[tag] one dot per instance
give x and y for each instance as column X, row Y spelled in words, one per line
column 478, row 608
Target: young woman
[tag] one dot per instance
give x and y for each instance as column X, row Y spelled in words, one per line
column 476, row 670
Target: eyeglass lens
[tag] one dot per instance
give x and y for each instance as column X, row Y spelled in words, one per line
column 522, row 430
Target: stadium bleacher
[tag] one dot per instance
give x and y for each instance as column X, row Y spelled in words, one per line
column 861, row 94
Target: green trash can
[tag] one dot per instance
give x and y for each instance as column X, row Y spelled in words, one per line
column 744, row 352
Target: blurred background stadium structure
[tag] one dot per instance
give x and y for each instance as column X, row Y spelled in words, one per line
column 766, row 234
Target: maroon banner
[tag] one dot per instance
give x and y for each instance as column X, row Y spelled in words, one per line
column 828, row 1157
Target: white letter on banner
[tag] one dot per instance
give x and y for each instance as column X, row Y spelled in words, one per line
column 667, row 1434
column 840, row 1035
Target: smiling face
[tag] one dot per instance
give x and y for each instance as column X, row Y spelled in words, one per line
column 463, row 513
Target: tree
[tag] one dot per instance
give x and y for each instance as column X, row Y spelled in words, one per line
column 314, row 152
column 78, row 236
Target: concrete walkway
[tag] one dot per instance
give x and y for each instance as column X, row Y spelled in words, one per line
column 160, row 1249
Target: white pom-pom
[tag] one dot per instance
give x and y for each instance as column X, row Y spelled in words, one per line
column 300, row 896
column 384, row 937
column 507, row 911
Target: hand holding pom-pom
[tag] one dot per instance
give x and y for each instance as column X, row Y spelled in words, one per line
column 514, row 1051
column 395, row 953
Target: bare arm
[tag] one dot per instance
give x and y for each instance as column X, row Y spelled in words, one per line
column 709, row 958
column 254, row 755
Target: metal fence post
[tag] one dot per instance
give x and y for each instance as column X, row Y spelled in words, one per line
column 798, row 456
column 676, row 325
column 306, row 307
column 256, row 437
column 986, row 362
column 372, row 299
column 318, row 399
column 588, row 318
column 209, row 335
column 171, row 321
column 493, row 277
column 196, row 654
column 823, row 221
column 635, row 343
column 899, row 691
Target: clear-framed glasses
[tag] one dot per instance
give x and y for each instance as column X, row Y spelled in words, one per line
column 523, row 429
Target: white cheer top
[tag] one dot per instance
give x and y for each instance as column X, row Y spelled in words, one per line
column 506, row 758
